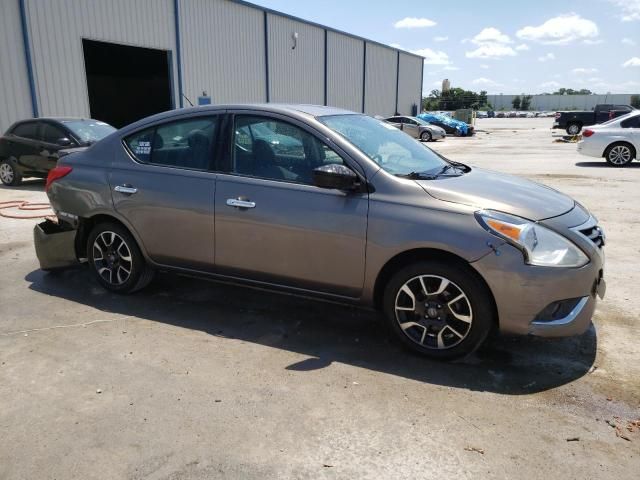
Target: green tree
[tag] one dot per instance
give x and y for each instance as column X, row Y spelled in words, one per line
column 525, row 103
column 516, row 102
column 635, row 101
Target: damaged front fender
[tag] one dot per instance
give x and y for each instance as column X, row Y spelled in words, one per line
column 55, row 245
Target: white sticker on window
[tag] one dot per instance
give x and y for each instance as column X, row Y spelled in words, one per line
column 143, row 148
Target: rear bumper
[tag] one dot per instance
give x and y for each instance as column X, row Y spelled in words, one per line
column 55, row 246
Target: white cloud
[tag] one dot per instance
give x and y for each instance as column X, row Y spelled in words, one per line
column 629, row 41
column 490, row 35
column 547, row 57
column 433, row 57
column 485, row 82
column 583, row 71
column 630, row 9
column 522, row 47
column 492, row 43
column 560, row 30
column 491, row 50
column 484, row 66
column 440, row 39
column 632, row 62
column 451, row 68
column 413, row 22
column 551, row 84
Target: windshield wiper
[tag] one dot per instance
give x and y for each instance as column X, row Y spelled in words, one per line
column 416, row 176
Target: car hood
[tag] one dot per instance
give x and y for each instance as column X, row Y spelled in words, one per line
column 497, row 191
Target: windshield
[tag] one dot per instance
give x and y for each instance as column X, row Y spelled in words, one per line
column 395, row 151
column 89, row 131
column 420, row 121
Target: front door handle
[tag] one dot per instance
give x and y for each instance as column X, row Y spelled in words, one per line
column 128, row 189
column 236, row 202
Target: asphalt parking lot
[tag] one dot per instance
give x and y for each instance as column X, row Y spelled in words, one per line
column 190, row 379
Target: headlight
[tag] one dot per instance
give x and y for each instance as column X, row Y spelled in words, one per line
column 540, row 246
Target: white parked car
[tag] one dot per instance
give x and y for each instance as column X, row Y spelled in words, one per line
column 617, row 140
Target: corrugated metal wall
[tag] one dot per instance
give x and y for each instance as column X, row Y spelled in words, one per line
column 295, row 75
column 560, row 102
column 380, row 80
column 345, row 65
column 222, row 51
column 56, row 29
column 15, row 100
column 409, row 88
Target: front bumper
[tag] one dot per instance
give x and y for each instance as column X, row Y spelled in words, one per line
column 438, row 135
column 522, row 291
column 55, row 246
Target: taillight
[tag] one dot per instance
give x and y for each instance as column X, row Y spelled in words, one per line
column 588, row 133
column 55, row 174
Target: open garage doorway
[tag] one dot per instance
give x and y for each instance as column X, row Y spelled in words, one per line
column 126, row 83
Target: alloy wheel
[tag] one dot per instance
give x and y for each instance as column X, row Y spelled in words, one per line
column 112, row 258
column 433, row 312
column 619, row 155
column 6, row 173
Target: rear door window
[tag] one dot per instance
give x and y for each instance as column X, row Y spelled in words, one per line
column 27, row 130
column 183, row 144
column 633, row 122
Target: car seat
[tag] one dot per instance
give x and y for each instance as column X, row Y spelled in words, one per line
column 264, row 160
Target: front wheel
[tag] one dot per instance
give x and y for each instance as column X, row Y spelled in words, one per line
column 116, row 260
column 439, row 310
column 619, row 155
column 425, row 136
column 9, row 174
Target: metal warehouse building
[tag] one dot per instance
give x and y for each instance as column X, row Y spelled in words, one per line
column 121, row 60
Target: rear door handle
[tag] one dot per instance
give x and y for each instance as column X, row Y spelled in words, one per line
column 235, row 202
column 128, row 189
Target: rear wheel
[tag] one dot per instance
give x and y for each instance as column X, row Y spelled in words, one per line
column 425, row 136
column 9, row 173
column 116, row 260
column 574, row 128
column 619, row 154
column 439, row 310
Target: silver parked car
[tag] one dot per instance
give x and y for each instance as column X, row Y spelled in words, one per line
column 617, row 140
column 361, row 213
column 417, row 128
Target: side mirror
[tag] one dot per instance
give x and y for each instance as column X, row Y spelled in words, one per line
column 335, row 176
column 64, row 142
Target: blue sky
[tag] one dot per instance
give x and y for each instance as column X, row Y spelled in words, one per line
column 503, row 46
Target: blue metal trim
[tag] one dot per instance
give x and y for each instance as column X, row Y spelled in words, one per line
column 266, row 54
column 364, row 75
column 176, row 18
column 325, row 68
column 397, row 81
column 314, row 24
column 171, row 79
column 27, row 57
column 421, row 87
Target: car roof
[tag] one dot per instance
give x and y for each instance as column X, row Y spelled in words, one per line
column 295, row 110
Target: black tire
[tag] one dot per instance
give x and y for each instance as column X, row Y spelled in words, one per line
column 477, row 305
column 620, row 154
column 574, row 128
column 426, row 136
column 140, row 273
column 9, row 173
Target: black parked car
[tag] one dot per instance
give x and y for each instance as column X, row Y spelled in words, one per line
column 30, row 148
column 573, row 121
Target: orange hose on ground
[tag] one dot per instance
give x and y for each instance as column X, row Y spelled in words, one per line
column 25, row 205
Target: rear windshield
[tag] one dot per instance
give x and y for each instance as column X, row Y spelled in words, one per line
column 89, row 131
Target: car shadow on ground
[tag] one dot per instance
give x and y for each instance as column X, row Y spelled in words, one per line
column 604, row 164
column 32, row 185
column 328, row 333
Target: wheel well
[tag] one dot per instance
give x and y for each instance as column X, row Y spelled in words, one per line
column 633, row 149
column 84, row 228
column 421, row 254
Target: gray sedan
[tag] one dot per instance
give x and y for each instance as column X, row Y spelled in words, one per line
column 358, row 213
column 417, row 128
